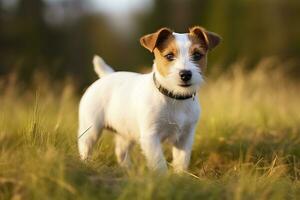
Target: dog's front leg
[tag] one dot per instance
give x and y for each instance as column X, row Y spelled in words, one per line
column 182, row 151
column 151, row 147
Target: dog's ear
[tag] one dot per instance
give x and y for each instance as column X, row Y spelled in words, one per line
column 152, row 40
column 211, row 39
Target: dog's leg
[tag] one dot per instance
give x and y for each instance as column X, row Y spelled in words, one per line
column 151, row 147
column 182, row 151
column 87, row 137
column 122, row 147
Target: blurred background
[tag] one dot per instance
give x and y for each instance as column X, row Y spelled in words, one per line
column 60, row 37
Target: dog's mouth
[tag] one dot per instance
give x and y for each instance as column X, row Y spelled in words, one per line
column 185, row 85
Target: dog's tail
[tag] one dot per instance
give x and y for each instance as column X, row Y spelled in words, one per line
column 100, row 67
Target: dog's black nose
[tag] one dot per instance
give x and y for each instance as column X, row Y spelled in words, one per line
column 185, row 75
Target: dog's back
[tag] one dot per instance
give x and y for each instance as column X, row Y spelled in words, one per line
column 108, row 103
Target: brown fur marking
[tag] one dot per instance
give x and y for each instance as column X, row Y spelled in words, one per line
column 198, row 45
column 168, row 46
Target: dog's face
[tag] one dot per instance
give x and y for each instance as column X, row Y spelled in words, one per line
column 180, row 59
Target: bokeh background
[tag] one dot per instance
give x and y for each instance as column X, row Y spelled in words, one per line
column 60, row 37
column 247, row 144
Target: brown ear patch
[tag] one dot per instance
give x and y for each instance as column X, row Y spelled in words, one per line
column 211, row 39
column 153, row 40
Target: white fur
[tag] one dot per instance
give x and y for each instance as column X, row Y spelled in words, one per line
column 132, row 105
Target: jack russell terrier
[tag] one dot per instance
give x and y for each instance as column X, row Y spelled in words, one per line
column 149, row 108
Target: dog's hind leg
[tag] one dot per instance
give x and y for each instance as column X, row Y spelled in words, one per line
column 122, row 147
column 88, row 135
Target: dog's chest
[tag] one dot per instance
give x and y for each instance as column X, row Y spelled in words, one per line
column 176, row 120
column 171, row 125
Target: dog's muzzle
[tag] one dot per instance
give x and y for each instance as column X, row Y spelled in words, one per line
column 170, row 94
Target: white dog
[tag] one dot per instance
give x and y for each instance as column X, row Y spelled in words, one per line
column 149, row 108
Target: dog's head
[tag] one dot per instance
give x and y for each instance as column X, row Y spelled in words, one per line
column 180, row 59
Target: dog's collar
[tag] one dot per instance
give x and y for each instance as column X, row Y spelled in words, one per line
column 170, row 94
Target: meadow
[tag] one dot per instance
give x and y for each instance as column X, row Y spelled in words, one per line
column 247, row 144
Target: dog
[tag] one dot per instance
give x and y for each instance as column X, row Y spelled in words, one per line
column 149, row 108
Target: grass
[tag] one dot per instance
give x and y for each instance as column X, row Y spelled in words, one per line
column 247, row 145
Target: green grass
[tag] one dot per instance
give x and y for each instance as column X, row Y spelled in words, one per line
column 247, row 146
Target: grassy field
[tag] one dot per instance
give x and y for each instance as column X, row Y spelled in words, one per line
column 247, row 144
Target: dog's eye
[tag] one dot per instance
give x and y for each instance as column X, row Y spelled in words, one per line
column 197, row 56
column 170, row 56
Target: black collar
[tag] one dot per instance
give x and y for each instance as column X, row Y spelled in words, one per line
column 170, row 94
